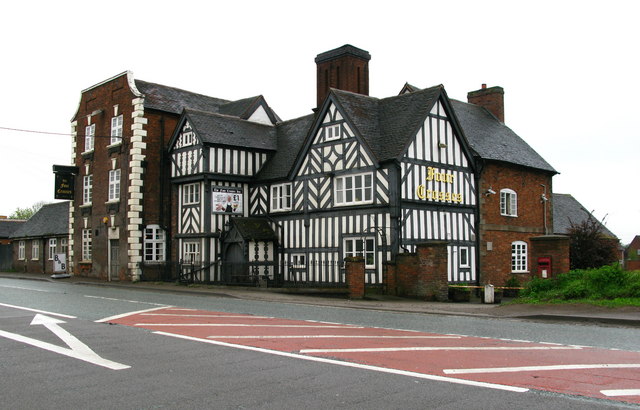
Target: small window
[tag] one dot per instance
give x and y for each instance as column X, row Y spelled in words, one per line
column 364, row 247
column 89, row 137
column 464, row 257
column 64, row 248
column 519, row 257
column 191, row 194
column 35, row 250
column 86, row 245
column 114, row 185
column 191, row 252
column 116, row 129
column 87, row 189
column 353, row 189
column 154, row 244
column 281, row 197
column 508, row 203
column 333, row 132
column 21, row 252
column 298, row 260
column 52, row 248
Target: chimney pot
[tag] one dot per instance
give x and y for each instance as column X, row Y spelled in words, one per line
column 484, row 86
column 492, row 99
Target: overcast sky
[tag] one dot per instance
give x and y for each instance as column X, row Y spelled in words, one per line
column 570, row 71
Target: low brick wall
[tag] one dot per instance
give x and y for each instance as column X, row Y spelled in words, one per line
column 555, row 247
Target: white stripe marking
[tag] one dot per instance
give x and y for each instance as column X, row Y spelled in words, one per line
column 332, row 336
column 107, row 319
column 38, row 311
column 431, row 348
column 126, row 300
column 242, row 325
column 625, row 392
column 542, row 368
column 23, row 288
column 354, row 365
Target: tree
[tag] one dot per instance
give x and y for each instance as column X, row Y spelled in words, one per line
column 589, row 247
column 26, row 213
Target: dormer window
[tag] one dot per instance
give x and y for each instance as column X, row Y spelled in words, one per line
column 508, row 202
column 333, row 132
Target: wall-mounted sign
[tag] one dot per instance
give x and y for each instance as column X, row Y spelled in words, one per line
column 438, row 195
column 64, row 181
column 227, row 200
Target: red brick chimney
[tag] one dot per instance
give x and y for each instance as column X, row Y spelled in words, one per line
column 345, row 68
column 490, row 98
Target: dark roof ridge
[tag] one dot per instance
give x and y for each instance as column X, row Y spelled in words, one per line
column 233, row 117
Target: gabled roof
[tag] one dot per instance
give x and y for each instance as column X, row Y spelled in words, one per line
column 493, row 140
column 218, row 129
column 635, row 243
column 567, row 210
column 387, row 125
column 246, row 107
column 254, row 229
column 290, row 138
column 50, row 220
column 174, row 100
column 9, row 226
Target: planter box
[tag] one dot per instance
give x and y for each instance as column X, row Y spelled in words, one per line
column 459, row 294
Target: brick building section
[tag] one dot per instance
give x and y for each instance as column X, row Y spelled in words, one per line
column 498, row 232
column 144, row 187
column 422, row 274
column 555, row 247
column 354, row 268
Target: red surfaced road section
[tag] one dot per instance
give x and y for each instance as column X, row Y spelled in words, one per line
column 576, row 370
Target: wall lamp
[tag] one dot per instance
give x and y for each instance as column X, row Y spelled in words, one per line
column 490, row 192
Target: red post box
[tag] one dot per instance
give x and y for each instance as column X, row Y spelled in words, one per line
column 544, row 267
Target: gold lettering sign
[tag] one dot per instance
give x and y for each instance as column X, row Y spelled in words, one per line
column 433, row 195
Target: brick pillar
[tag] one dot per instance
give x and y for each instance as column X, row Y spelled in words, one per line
column 555, row 247
column 432, row 278
column 355, row 276
column 390, row 280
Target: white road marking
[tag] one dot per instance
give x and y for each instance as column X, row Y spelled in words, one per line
column 354, row 365
column 333, row 336
column 37, row 311
column 432, row 348
column 23, row 288
column 76, row 350
column 244, row 325
column 624, row 392
column 110, row 318
column 543, row 368
column 126, row 300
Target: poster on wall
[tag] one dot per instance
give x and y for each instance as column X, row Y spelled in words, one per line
column 227, row 200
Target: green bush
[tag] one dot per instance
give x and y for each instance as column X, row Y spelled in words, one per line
column 607, row 282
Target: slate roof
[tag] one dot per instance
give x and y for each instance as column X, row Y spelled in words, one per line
column 387, row 125
column 9, row 226
column 220, row 129
column 567, row 209
column 50, row 220
column 254, row 229
column 493, row 140
column 290, row 138
column 170, row 99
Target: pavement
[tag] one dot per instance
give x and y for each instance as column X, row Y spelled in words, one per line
column 623, row 317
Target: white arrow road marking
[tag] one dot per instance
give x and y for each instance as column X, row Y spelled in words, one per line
column 76, row 350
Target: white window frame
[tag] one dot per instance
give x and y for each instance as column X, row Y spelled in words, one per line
column 35, row 249
column 116, row 129
column 519, row 257
column 154, row 244
column 64, row 246
column 52, row 248
column 89, row 137
column 364, row 246
column 191, row 194
column 333, row 132
column 464, row 257
column 508, row 202
column 353, row 189
column 281, row 197
column 87, row 189
column 191, row 252
column 114, row 185
column 21, row 250
column 86, row 245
